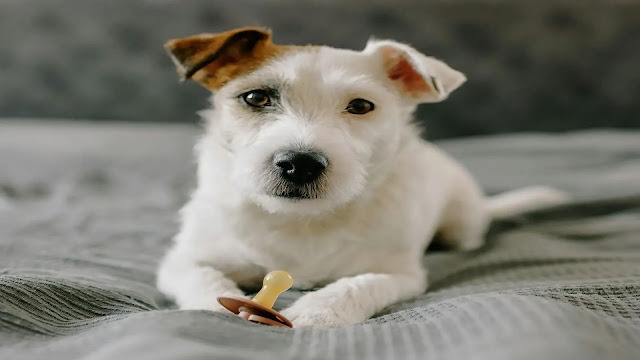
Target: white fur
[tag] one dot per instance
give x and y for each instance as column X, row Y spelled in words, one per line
column 386, row 194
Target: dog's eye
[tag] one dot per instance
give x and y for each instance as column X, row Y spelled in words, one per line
column 256, row 98
column 359, row 106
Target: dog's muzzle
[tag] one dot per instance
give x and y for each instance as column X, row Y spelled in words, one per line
column 300, row 170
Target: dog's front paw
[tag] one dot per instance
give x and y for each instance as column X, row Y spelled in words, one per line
column 318, row 316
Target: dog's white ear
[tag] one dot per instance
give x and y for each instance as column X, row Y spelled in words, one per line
column 214, row 59
column 421, row 78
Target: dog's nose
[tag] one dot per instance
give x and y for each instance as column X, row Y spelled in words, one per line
column 300, row 167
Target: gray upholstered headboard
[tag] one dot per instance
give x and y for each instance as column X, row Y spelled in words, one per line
column 531, row 64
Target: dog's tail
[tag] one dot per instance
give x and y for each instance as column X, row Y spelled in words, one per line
column 520, row 201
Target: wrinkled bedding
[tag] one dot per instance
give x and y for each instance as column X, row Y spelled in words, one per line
column 87, row 210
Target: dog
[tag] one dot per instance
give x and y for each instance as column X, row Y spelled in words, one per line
column 310, row 163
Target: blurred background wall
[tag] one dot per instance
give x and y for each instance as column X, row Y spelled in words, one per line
column 533, row 65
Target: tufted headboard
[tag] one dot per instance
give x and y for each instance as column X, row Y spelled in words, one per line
column 532, row 64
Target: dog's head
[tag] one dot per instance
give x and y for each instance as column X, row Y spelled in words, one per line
column 309, row 128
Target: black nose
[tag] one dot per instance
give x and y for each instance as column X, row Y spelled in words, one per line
column 300, row 167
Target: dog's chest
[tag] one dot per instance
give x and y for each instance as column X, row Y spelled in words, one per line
column 312, row 259
column 318, row 252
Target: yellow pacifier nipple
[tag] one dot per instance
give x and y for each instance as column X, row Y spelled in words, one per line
column 274, row 284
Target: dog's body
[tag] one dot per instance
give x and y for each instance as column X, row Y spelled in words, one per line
column 310, row 164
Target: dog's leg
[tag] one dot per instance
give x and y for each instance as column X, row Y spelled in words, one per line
column 352, row 300
column 465, row 219
column 193, row 285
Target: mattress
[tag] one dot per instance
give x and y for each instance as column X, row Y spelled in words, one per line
column 87, row 210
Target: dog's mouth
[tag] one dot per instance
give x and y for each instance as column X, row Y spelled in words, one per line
column 295, row 194
column 289, row 191
column 280, row 188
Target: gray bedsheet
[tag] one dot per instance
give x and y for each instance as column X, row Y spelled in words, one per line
column 86, row 211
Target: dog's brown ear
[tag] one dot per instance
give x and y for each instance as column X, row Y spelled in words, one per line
column 214, row 59
column 419, row 77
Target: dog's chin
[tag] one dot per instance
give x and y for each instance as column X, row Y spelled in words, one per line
column 295, row 203
column 294, row 194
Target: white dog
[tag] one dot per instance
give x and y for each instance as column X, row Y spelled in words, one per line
column 310, row 164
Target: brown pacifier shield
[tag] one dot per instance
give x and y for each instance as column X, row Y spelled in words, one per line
column 253, row 311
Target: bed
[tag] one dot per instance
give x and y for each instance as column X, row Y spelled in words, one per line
column 87, row 209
